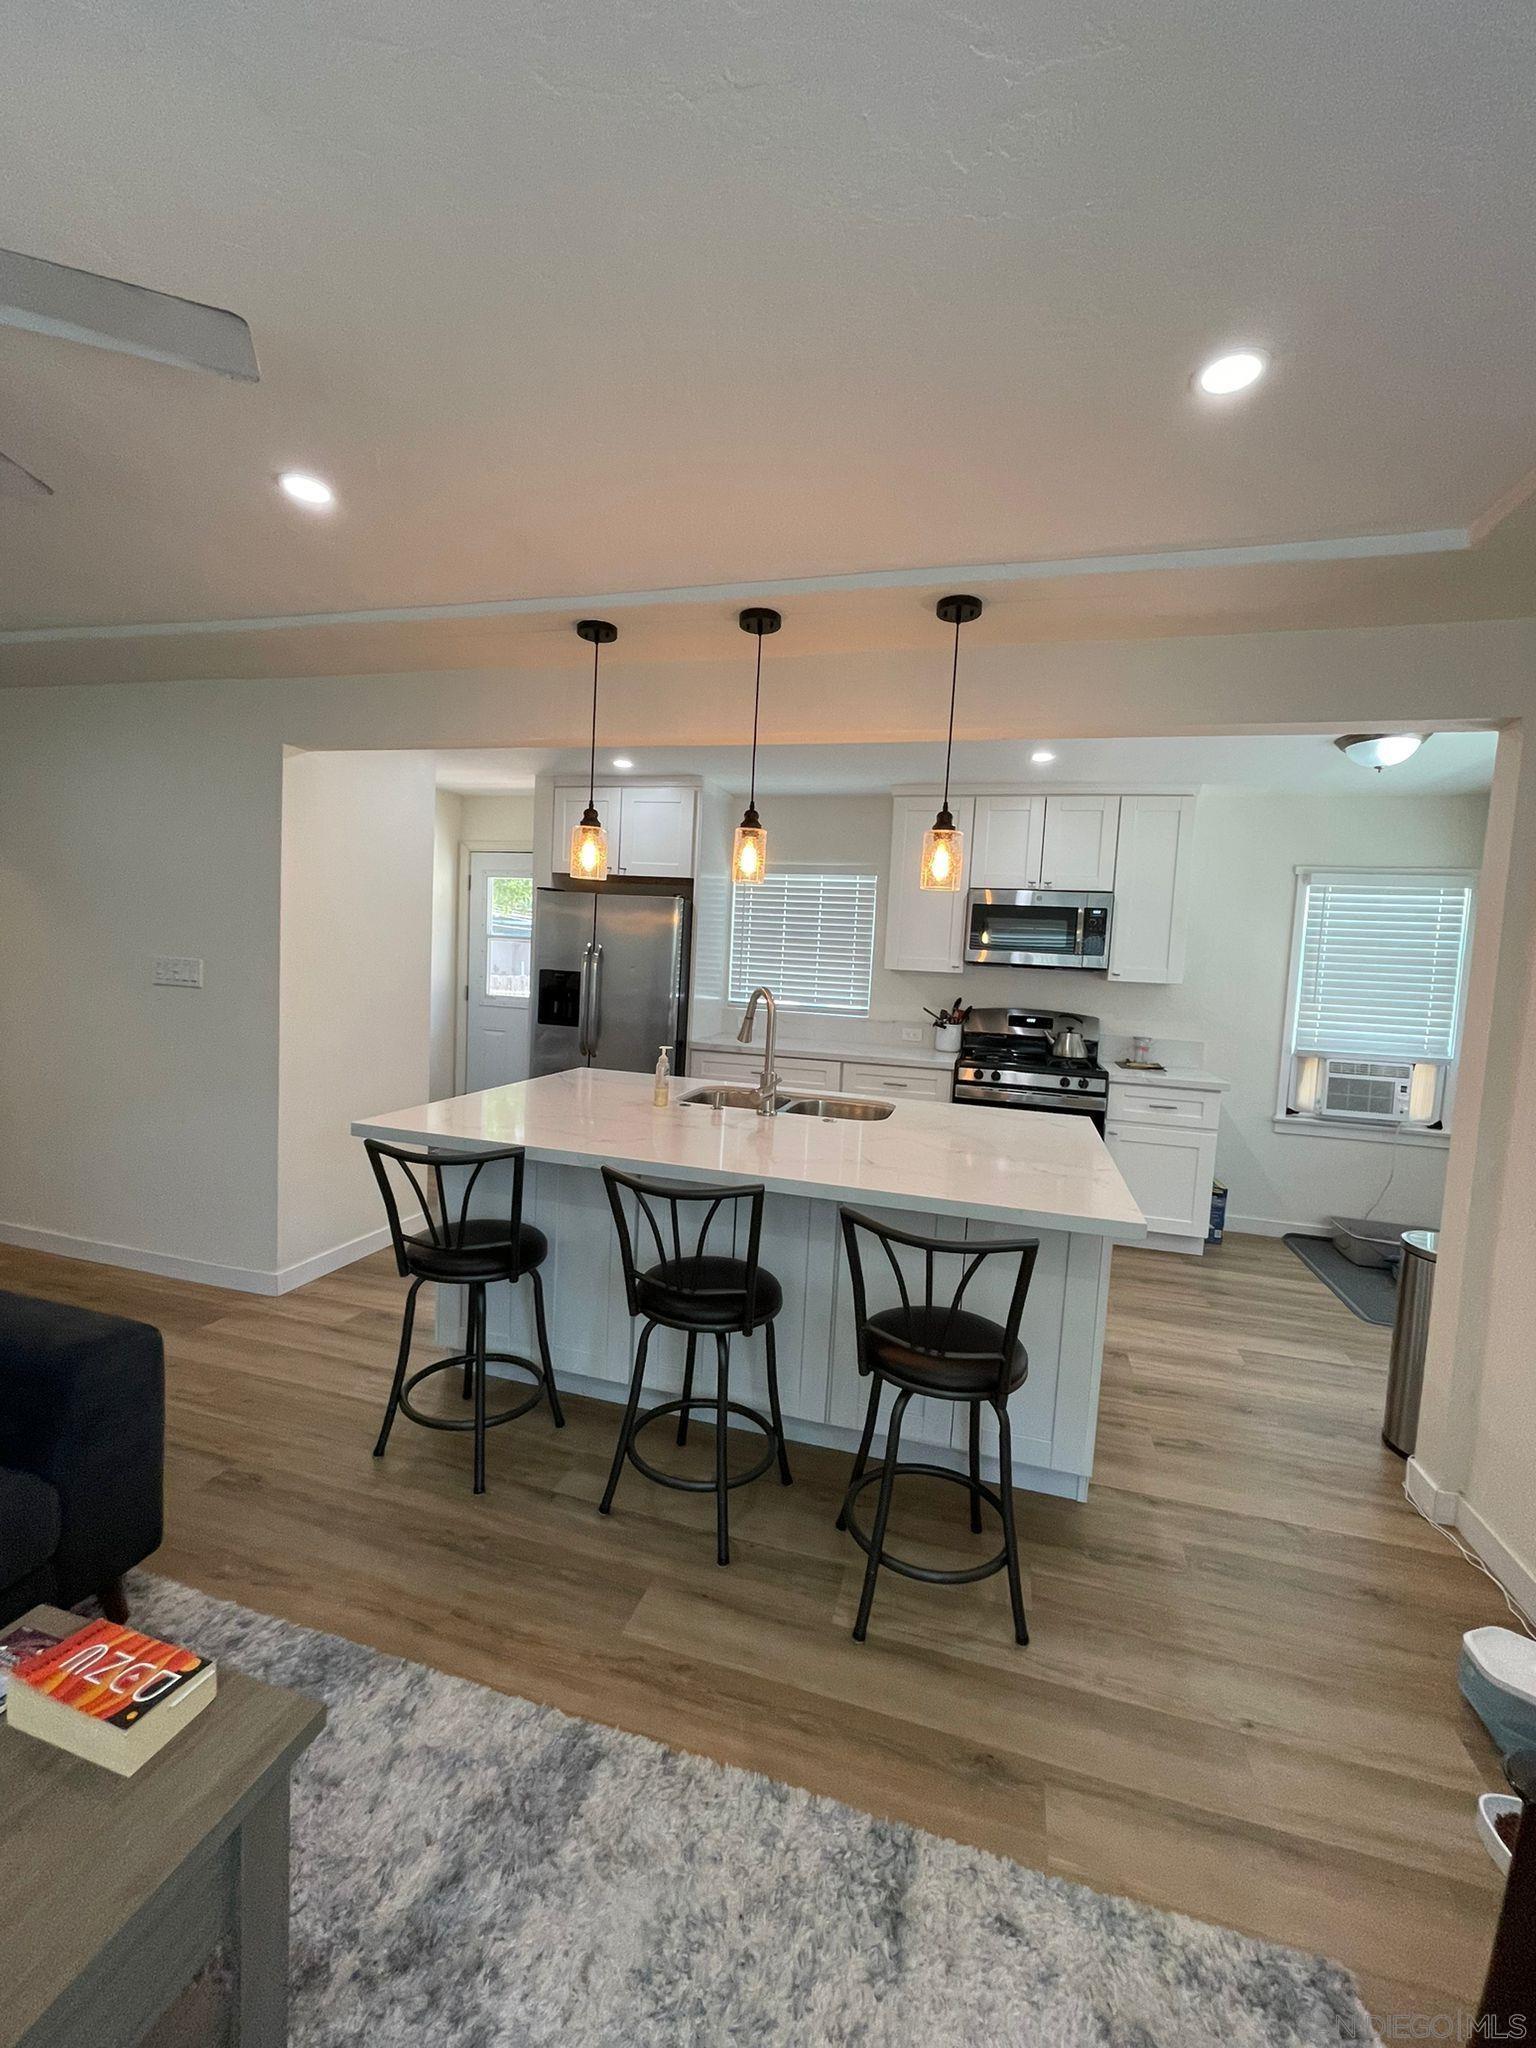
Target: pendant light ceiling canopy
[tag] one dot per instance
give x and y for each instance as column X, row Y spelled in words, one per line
column 749, row 854
column 944, row 842
column 589, row 842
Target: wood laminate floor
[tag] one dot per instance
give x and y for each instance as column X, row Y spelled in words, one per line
column 1240, row 1699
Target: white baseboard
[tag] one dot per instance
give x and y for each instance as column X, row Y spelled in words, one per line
column 1512, row 1572
column 1278, row 1226
column 203, row 1272
column 246, row 1279
column 1436, row 1503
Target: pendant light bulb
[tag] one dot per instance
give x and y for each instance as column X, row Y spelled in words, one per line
column 589, row 842
column 943, row 861
column 749, row 851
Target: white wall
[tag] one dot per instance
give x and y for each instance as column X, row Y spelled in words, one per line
column 146, row 818
column 503, row 824
column 1232, row 1000
column 447, row 831
column 356, row 939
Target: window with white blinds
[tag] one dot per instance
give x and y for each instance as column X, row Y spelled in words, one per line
column 1381, row 964
column 808, row 936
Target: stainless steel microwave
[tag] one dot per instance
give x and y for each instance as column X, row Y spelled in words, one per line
column 1038, row 928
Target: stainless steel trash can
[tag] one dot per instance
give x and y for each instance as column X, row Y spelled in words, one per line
column 1410, row 1334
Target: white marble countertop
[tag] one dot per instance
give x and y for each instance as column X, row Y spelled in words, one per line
column 828, row 1048
column 1034, row 1172
column 1171, row 1077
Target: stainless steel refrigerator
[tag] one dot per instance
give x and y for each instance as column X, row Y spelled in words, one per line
column 610, row 980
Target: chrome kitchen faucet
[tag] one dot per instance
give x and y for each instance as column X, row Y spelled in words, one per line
column 768, row 1085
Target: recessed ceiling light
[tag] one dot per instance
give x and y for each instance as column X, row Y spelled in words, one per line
column 304, row 489
column 622, row 761
column 1379, row 750
column 1233, row 372
column 1041, row 755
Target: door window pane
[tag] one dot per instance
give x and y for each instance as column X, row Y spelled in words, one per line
column 508, row 934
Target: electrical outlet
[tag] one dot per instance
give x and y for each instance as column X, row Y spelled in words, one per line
column 177, row 972
column 912, row 1034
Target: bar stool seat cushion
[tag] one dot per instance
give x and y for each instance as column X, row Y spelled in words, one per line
column 902, row 1344
column 706, row 1294
column 484, row 1253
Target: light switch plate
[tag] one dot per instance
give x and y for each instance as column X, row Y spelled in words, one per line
column 176, row 971
column 912, row 1034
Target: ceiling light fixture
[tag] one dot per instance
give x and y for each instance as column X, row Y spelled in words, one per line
column 749, row 852
column 1233, row 372
column 589, row 842
column 1380, row 750
column 1041, row 755
column 622, row 761
column 304, row 489
column 943, row 842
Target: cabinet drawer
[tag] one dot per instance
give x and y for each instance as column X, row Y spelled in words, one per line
column 1186, row 1109
column 806, row 1072
column 927, row 1084
column 723, row 1066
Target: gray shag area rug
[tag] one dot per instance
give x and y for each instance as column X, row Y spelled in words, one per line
column 473, row 1871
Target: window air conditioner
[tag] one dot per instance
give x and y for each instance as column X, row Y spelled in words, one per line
column 1374, row 1091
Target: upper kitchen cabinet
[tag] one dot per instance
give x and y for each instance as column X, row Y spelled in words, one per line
column 1078, row 847
column 656, row 830
column 925, row 928
column 650, row 827
column 1152, row 872
column 1008, row 842
column 1044, row 842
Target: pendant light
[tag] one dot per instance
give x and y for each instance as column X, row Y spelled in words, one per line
column 589, row 842
column 944, row 842
column 749, row 855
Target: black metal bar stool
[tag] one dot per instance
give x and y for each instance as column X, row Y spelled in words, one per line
column 932, row 1345
column 461, row 1250
column 701, row 1293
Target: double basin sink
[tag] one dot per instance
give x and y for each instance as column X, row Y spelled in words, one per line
column 855, row 1109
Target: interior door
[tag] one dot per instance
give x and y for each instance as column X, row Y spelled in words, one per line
column 1080, row 838
column 500, row 952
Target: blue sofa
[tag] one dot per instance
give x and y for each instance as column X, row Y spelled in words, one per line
column 82, row 1453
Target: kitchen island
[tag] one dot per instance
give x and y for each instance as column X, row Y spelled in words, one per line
column 929, row 1166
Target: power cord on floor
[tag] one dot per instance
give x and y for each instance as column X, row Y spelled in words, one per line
column 1473, row 1559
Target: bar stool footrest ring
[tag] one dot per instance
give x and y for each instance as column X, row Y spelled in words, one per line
column 457, row 1364
column 907, row 1570
column 701, row 1401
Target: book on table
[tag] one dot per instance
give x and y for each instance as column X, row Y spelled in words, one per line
column 109, row 1694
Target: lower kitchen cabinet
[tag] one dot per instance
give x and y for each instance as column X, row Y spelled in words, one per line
column 1169, row 1171
column 743, row 1068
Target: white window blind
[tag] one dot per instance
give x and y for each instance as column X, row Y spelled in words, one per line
column 809, row 937
column 1381, row 968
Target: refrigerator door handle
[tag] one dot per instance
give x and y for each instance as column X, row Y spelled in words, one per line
column 585, row 1001
column 595, row 998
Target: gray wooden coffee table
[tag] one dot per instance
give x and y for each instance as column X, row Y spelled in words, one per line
column 114, row 1891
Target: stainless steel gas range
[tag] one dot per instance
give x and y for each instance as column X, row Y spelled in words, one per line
column 1008, row 1061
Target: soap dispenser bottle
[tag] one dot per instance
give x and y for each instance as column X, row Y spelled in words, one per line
column 661, row 1092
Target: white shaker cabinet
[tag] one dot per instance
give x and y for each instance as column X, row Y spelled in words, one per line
column 1009, row 840
column 925, row 928
column 656, row 830
column 1152, row 874
column 1078, row 850
column 650, row 827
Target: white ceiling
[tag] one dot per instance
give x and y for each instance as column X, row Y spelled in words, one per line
column 1449, row 763
column 572, row 298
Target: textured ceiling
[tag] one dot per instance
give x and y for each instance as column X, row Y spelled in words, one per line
column 585, row 297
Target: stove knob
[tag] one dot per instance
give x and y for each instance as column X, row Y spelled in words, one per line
column 1083, row 1081
column 996, row 1076
column 1065, row 1081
